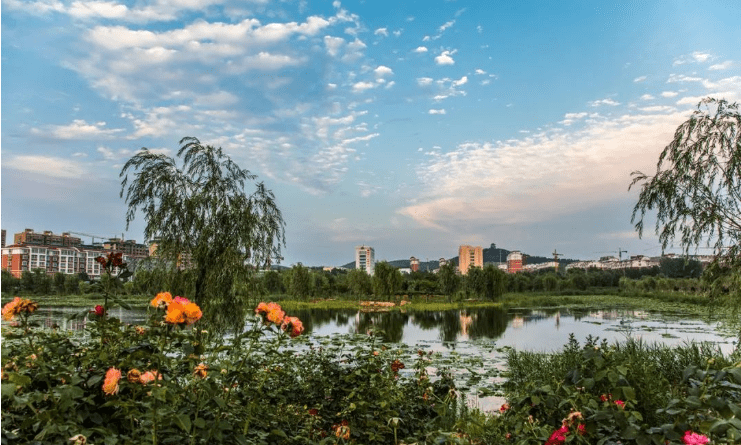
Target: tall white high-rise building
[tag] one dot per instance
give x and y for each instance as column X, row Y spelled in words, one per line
column 365, row 259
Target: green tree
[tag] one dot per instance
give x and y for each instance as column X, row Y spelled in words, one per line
column 696, row 190
column 273, row 282
column 386, row 279
column 474, row 282
column 71, row 284
column 359, row 283
column 8, row 282
column 495, row 281
column 449, row 280
column 59, row 282
column 201, row 210
column 301, row 282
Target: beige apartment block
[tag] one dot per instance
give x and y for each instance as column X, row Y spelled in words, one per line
column 470, row 256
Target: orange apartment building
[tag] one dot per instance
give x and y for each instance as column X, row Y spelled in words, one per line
column 470, row 256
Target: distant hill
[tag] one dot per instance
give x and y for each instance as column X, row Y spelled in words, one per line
column 492, row 254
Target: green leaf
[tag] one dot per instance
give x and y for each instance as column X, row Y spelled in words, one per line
column 199, row 423
column 183, row 421
column 279, row 433
column 8, row 389
column 630, row 432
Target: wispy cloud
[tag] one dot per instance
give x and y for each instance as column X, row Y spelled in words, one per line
column 554, row 164
column 78, row 129
column 695, row 57
column 46, row 166
column 721, row 66
column 439, row 111
column 421, row 49
column 607, row 101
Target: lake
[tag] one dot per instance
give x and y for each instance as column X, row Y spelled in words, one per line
column 542, row 330
column 477, row 339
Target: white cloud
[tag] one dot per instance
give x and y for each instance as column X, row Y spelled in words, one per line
column 669, row 94
column 381, row 71
column 421, row 49
column 46, row 166
column 647, row 97
column 359, row 87
column 480, row 71
column 381, row 32
column 640, row 79
column 333, row 44
column 607, row 101
column 462, row 81
column 444, row 58
column 433, row 111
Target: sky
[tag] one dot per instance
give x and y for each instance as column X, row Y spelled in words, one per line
column 412, row 127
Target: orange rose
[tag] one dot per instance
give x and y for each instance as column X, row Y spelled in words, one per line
column 175, row 314
column 162, row 300
column 149, row 376
column 201, row 370
column 192, row 313
column 133, row 376
column 110, row 385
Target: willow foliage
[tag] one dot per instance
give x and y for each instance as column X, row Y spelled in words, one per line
column 202, row 218
column 696, row 190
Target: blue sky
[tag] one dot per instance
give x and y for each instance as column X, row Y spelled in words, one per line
column 413, row 127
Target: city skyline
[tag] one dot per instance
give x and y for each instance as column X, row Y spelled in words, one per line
column 411, row 128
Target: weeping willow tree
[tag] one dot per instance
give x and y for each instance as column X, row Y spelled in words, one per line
column 696, row 193
column 202, row 219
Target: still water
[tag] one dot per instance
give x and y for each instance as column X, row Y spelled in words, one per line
column 541, row 330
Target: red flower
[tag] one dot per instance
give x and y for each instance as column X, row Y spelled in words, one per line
column 558, row 437
column 620, row 404
column 504, row 407
column 102, row 260
column 691, row 438
column 99, row 311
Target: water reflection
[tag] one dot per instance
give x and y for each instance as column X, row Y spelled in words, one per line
column 544, row 329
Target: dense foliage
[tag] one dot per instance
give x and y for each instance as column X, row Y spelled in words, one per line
column 166, row 382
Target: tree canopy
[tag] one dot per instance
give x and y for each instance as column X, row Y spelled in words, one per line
column 696, row 190
column 200, row 213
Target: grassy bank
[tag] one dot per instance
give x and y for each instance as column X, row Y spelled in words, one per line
column 596, row 298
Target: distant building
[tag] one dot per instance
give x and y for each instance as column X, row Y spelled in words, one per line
column 62, row 253
column 470, row 256
column 128, row 247
column 365, row 259
column 19, row 258
column 515, row 261
column 442, row 262
column 47, row 238
column 414, row 264
column 2, row 241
